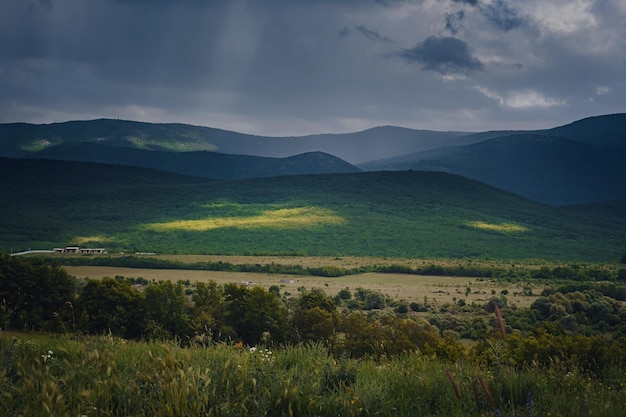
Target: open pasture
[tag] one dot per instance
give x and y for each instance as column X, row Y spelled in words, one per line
column 353, row 262
column 435, row 290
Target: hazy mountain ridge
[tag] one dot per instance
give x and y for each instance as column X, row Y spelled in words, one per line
column 607, row 129
column 553, row 170
column 200, row 163
column 22, row 140
column 572, row 164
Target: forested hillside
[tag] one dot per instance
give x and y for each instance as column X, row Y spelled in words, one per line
column 398, row 214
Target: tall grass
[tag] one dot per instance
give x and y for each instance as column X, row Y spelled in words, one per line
column 106, row 376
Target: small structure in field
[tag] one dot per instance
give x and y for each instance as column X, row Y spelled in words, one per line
column 77, row 249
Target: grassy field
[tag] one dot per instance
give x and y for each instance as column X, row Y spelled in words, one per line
column 106, row 376
column 436, row 290
column 353, row 262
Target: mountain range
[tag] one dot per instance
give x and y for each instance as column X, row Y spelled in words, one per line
column 577, row 163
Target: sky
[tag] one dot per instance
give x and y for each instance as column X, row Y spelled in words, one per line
column 297, row 67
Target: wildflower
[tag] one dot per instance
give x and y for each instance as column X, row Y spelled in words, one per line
column 48, row 356
column 253, row 349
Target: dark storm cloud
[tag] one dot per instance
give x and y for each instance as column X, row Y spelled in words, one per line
column 372, row 35
column 502, row 15
column 35, row 5
column 471, row 2
column 454, row 21
column 498, row 12
column 445, row 55
column 311, row 66
column 115, row 40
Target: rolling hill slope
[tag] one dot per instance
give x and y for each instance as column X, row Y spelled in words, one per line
column 608, row 129
column 24, row 140
column 573, row 164
column 552, row 170
column 200, row 163
column 393, row 214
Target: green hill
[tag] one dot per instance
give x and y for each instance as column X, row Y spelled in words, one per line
column 573, row 164
column 548, row 169
column 200, row 163
column 391, row 214
column 25, row 140
column 607, row 129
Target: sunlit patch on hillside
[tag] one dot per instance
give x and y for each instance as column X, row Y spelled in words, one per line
column 37, row 145
column 80, row 240
column 172, row 145
column 300, row 217
column 498, row 227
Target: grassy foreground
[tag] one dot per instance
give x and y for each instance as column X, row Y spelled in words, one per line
column 107, row 376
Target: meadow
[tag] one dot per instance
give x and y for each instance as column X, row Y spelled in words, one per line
column 108, row 376
column 436, row 290
column 206, row 343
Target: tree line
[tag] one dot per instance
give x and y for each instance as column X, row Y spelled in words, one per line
column 39, row 296
column 567, row 272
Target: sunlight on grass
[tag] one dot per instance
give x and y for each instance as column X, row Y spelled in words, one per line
column 498, row 227
column 280, row 219
column 79, row 240
column 37, row 145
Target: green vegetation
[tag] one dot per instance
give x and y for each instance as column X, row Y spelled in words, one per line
column 121, row 346
column 460, row 268
column 301, row 218
column 383, row 214
column 107, row 376
column 500, row 227
column 205, row 349
column 363, row 322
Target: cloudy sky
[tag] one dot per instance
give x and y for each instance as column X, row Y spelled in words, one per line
column 291, row 67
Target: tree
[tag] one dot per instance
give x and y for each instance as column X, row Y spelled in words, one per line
column 374, row 300
column 315, row 324
column 254, row 314
column 317, row 298
column 166, row 311
column 207, row 294
column 35, row 295
column 315, row 317
column 208, row 312
column 110, row 305
column 345, row 294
